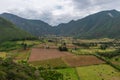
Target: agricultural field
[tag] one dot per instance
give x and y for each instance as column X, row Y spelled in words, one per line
column 14, row 45
column 69, row 73
column 30, row 44
column 3, row 54
column 15, row 49
column 98, row 72
column 44, row 54
column 55, row 57
column 20, row 54
column 90, row 51
column 54, row 63
column 75, row 64
column 83, row 60
column 94, row 40
column 115, row 60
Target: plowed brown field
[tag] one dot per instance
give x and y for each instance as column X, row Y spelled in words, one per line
column 72, row 60
column 83, row 60
column 44, row 54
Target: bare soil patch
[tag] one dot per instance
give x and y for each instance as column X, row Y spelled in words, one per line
column 83, row 60
column 72, row 60
column 44, row 54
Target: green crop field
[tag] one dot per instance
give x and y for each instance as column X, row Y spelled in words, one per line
column 98, row 72
column 29, row 42
column 90, row 51
column 3, row 54
column 19, row 54
column 115, row 61
column 69, row 74
column 14, row 45
column 55, row 63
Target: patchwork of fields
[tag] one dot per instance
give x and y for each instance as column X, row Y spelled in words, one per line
column 85, row 67
column 44, row 54
column 80, row 64
column 52, row 56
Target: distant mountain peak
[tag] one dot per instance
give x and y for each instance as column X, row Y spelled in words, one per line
column 113, row 10
column 99, row 25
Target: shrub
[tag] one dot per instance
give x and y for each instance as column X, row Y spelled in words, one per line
column 63, row 48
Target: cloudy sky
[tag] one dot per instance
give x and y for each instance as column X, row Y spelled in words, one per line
column 55, row 12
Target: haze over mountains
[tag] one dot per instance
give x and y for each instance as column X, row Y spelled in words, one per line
column 105, row 24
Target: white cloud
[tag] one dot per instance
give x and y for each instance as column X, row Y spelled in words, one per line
column 56, row 11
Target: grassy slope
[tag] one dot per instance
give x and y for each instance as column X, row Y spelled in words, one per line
column 55, row 63
column 8, row 31
column 69, row 73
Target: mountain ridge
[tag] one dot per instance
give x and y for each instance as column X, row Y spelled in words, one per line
column 8, row 31
column 35, row 27
column 98, row 25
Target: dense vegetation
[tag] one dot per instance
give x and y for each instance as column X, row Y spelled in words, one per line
column 14, row 45
column 9, row 31
column 10, row 70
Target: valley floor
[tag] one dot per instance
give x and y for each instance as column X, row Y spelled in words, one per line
column 80, row 64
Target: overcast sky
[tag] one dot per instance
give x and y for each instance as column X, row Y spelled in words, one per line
column 55, row 12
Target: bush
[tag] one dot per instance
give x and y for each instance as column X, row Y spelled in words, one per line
column 63, row 48
column 103, row 46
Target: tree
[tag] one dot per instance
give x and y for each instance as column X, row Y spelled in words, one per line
column 103, row 46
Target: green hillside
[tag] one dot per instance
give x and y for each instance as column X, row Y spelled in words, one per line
column 104, row 24
column 9, row 31
column 35, row 27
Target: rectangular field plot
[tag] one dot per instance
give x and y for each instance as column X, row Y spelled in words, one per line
column 20, row 54
column 90, row 51
column 82, row 60
column 55, row 63
column 44, row 54
column 98, row 72
column 69, row 74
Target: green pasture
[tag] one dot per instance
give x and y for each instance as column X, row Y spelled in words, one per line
column 3, row 54
column 69, row 73
column 13, row 45
column 98, row 72
column 55, row 63
column 19, row 55
column 90, row 51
